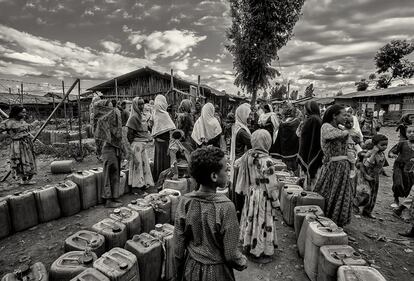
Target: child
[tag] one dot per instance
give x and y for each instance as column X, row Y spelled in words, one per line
column 179, row 154
column 206, row 228
column 368, row 183
column 403, row 176
column 352, row 144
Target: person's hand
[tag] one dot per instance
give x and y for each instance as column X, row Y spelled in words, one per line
column 375, row 148
column 392, row 155
column 368, row 177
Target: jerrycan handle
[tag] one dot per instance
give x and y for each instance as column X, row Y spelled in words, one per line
column 303, row 193
column 121, row 265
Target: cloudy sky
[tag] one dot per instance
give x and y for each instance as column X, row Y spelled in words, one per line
column 43, row 41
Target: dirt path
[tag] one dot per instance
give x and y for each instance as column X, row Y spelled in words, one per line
column 45, row 242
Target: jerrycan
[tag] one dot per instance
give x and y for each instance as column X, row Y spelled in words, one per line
column 47, row 203
column 165, row 234
column 87, row 188
column 61, row 167
column 162, row 207
column 311, row 198
column 90, row 274
column 319, row 235
column 279, row 166
column 115, row 232
column 148, row 251
column 119, row 265
column 84, row 239
column 146, row 213
column 70, row 264
column 300, row 213
column 180, row 185
column 128, row 217
column 35, row 272
column 286, row 194
column 356, row 272
column 122, row 183
column 332, row 257
column 99, row 181
column 174, row 197
column 23, row 212
column 69, row 198
column 127, row 185
column 309, row 218
column 6, row 228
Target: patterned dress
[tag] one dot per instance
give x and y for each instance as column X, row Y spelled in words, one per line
column 334, row 182
column 22, row 157
column 206, row 237
column 403, row 175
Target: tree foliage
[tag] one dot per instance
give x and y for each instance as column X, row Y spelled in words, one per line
column 309, row 91
column 278, row 92
column 259, row 30
column 339, row 93
column 392, row 62
column 362, row 85
column 294, row 95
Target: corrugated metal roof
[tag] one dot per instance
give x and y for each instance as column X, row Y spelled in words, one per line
column 379, row 92
column 6, row 98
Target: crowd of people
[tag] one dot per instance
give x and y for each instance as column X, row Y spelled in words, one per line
column 339, row 154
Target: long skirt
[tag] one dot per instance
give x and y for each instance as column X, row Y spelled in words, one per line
column 196, row 271
column 22, row 158
column 402, row 180
column 112, row 172
column 161, row 157
column 335, row 185
column 139, row 167
column 257, row 225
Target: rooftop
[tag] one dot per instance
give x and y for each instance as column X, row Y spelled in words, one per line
column 379, row 92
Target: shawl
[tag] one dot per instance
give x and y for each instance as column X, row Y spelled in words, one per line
column 109, row 127
column 261, row 143
column 161, row 119
column 310, row 142
column 185, row 106
column 135, row 117
column 287, row 142
column 273, row 118
column 206, row 127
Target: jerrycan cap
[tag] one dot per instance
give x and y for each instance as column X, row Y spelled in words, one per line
column 79, row 172
column 134, row 202
column 175, row 193
column 303, row 193
column 94, row 243
column 116, row 229
column 95, row 169
column 135, row 238
column 117, row 211
column 86, row 259
column 123, row 265
column 158, row 227
column 289, row 192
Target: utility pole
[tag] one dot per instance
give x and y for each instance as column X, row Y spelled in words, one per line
column 116, row 89
column 21, row 91
column 198, row 85
column 172, row 79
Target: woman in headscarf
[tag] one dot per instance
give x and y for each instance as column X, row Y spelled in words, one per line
column 22, row 157
column 334, row 182
column 286, row 145
column 162, row 125
column 404, row 122
column 256, row 181
column 207, row 129
column 310, row 153
column 185, row 121
column 240, row 143
column 138, row 136
column 268, row 121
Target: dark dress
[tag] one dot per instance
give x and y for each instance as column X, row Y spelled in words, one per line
column 111, row 156
column 403, row 176
column 269, row 127
column 161, row 157
column 286, row 145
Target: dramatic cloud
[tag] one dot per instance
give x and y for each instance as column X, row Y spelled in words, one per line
column 110, row 46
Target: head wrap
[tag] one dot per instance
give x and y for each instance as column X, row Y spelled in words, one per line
column 161, row 119
column 185, row 106
column 273, row 118
column 241, row 116
column 261, row 140
column 207, row 126
column 312, row 108
column 135, row 116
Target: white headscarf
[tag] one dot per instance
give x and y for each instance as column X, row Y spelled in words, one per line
column 207, row 126
column 273, row 118
column 161, row 119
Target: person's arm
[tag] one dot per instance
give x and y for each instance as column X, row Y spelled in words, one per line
column 179, row 240
column 395, row 150
column 370, row 159
column 131, row 135
column 230, row 231
column 329, row 132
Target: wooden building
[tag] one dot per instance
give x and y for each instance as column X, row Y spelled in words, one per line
column 394, row 101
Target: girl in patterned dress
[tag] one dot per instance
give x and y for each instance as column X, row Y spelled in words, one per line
column 22, row 157
column 206, row 228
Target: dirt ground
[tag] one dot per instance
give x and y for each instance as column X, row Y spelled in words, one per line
column 395, row 260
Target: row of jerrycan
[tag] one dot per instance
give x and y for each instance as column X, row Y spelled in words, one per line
column 60, row 136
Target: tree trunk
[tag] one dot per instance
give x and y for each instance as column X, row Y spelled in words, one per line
column 254, row 97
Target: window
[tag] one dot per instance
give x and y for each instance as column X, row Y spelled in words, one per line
column 394, row 107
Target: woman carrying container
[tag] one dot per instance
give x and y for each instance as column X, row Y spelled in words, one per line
column 22, row 157
column 138, row 136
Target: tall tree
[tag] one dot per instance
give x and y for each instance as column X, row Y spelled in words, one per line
column 294, row 95
column 278, row 92
column 362, row 85
column 309, row 91
column 392, row 62
column 259, row 30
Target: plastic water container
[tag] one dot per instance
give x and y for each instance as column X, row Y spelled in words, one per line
column 23, row 212
column 279, row 166
column 61, row 167
column 332, row 257
column 119, row 265
column 70, row 264
column 100, row 181
column 127, row 185
column 146, row 213
column 115, row 232
column 6, row 228
column 37, row 272
column 147, row 248
column 224, row 191
column 69, row 198
column 311, row 198
column 90, row 274
column 165, row 234
column 181, row 185
column 128, row 217
column 175, row 198
column 87, row 188
column 300, row 213
column 282, row 174
column 320, row 235
column 356, row 273
column 122, row 183
column 310, row 218
column 161, row 206
column 84, row 239
column 286, row 194
column 47, row 203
